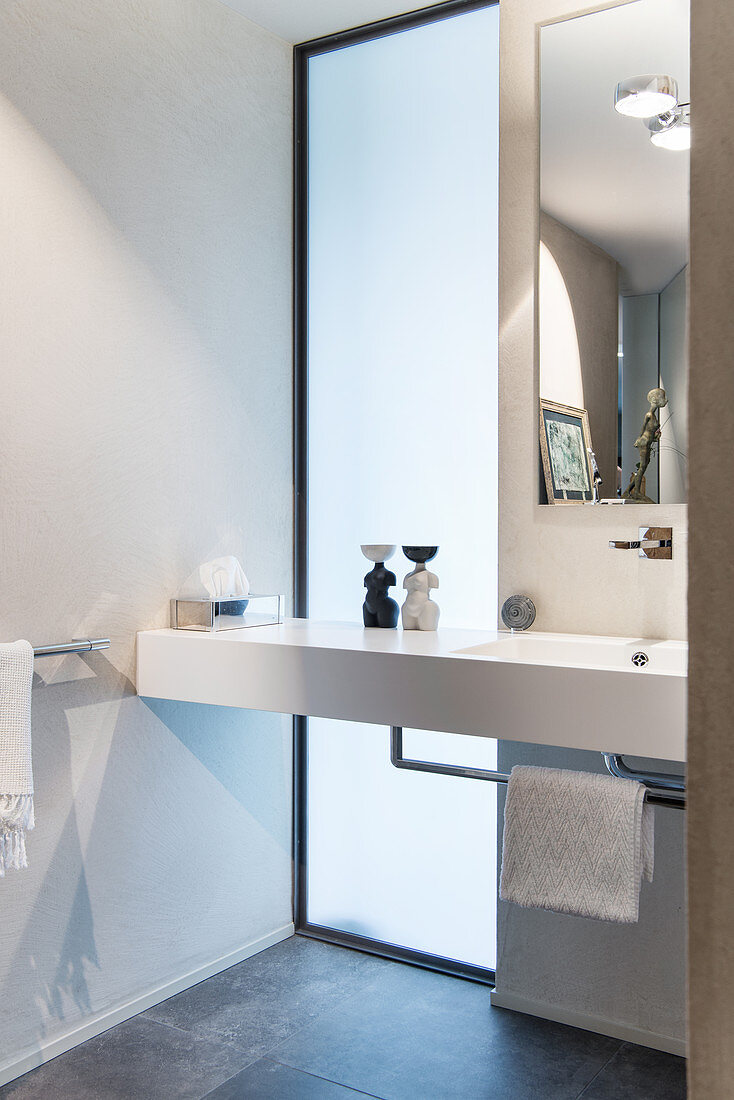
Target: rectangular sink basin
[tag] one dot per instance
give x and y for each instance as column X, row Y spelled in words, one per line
column 634, row 655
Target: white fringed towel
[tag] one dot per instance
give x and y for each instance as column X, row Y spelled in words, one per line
column 16, row 775
column 577, row 843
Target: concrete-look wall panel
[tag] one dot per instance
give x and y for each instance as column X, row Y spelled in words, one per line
column 711, row 596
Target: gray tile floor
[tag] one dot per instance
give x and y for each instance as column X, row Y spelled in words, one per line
column 308, row 1021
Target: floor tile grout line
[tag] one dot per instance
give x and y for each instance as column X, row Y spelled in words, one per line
column 302, row 1026
column 298, row 1022
column 226, row 1081
column 199, row 1038
column 320, row 1077
column 270, row 1053
column 601, row 1069
column 343, row 1000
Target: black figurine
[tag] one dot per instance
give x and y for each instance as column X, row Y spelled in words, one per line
column 379, row 609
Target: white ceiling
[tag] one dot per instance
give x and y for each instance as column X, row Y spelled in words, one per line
column 600, row 174
column 301, row 20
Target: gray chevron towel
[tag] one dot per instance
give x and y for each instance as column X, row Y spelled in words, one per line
column 576, row 843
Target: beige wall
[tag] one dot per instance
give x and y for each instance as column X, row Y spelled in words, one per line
column 558, row 555
column 535, row 543
column 711, row 595
column 145, row 262
column 591, row 279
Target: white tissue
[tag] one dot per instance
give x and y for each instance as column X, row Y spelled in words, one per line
column 221, row 579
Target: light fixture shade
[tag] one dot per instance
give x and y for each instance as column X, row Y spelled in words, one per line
column 645, row 96
column 671, row 130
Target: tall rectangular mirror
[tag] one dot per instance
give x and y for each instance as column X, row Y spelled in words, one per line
column 613, row 263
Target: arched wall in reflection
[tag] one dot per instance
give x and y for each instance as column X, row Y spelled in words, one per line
column 578, row 335
column 560, row 361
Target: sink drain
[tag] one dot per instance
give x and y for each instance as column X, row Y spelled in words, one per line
column 640, row 659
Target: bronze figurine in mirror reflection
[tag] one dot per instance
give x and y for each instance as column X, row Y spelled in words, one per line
column 645, row 444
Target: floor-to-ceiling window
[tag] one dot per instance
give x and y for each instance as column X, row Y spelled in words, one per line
column 398, row 440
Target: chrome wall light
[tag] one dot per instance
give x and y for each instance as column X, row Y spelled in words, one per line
column 672, row 130
column 654, row 99
column 645, row 96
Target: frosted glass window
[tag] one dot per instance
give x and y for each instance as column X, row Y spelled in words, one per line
column 402, row 423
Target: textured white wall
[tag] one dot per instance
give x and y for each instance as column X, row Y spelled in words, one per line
column 145, row 265
column 301, row 20
column 558, row 555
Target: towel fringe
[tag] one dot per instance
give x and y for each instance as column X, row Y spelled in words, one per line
column 16, row 818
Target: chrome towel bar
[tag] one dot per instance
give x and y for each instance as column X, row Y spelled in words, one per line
column 77, row 645
column 662, row 790
column 672, row 785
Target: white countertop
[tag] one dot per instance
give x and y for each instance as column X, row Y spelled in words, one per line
column 341, row 636
column 422, row 680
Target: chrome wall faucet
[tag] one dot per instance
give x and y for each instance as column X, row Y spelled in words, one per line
column 653, row 542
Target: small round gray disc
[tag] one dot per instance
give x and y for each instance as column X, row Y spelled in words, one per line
column 518, row 612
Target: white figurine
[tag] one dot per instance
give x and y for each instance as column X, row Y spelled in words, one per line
column 419, row 610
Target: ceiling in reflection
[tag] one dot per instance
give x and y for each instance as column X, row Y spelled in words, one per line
column 600, row 174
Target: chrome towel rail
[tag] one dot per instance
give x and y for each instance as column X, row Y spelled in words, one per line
column 663, row 790
column 77, row 645
column 661, row 781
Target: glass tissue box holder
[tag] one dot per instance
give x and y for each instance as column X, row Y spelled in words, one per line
column 257, row 609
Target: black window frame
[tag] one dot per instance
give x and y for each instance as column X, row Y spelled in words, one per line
column 302, row 53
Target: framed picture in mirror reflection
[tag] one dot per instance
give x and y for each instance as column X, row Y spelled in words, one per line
column 565, row 446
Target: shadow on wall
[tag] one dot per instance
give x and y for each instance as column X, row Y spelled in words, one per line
column 136, row 803
column 57, row 945
column 230, row 754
